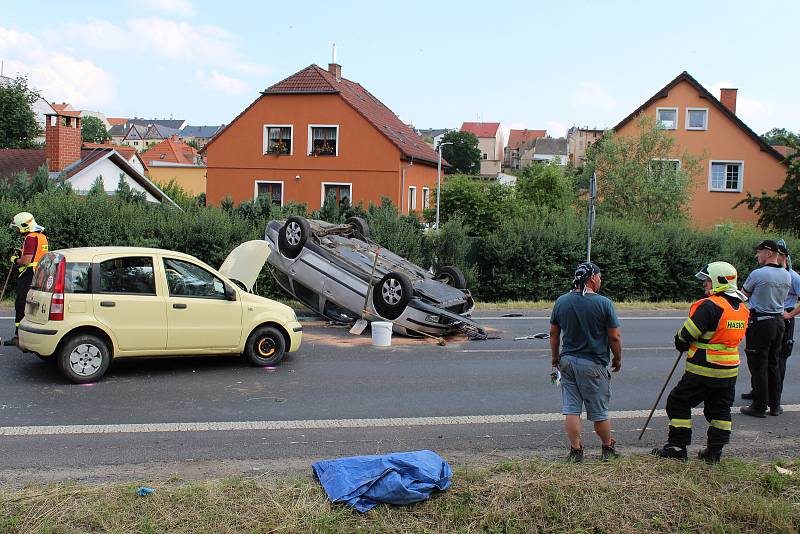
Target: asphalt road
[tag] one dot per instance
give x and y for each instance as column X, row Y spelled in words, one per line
column 337, row 396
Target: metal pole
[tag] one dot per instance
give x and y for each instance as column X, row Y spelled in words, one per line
column 678, row 359
column 438, row 184
column 590, row 222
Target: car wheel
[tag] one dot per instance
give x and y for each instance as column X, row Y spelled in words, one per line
column 360, row 226
column 392, row 294
column 265, row 346
column 84, row 358
column 452, row 276
column 293, row 236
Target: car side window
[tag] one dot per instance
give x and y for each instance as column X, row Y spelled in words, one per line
column 128, row 275
column 186, row 279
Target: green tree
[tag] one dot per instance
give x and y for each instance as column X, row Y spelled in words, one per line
column 780, row 136
column 547, row 186
column 93, row 130
column 464, row 154
column 644, row 175
column 780, row 211
column 18, row 126
column 482, row 205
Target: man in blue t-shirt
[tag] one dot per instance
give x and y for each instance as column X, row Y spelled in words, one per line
column 583, row 328
column 790, row 309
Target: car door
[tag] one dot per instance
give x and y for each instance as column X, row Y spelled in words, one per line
column 199, row 316
column 126, row 301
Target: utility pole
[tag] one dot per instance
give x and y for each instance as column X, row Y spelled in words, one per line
column 590, row 223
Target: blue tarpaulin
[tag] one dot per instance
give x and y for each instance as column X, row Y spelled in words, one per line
column 397, row 478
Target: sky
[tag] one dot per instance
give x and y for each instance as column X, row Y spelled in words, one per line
column 536, row 65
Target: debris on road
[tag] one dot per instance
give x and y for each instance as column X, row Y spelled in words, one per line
column 144, row 491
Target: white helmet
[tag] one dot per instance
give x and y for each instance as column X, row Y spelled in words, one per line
column 25, row 223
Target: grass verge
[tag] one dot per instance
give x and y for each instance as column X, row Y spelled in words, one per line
column 635, row 494
column 548, row 304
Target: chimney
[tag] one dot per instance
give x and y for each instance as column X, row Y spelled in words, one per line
column 62, row 141
column 336, row 70
column 728, row 99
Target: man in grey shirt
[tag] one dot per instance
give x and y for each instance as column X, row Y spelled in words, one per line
column 767, row 288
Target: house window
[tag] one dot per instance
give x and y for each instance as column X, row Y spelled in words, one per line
column 726, row 175
column 661, row 167
column 323, row 140
column 426, row 197
column 342, row 193
column 667, row 118
column 278, row 139
column 485, row 155
column 696, row 119
column 272, row 190
column 412, row 198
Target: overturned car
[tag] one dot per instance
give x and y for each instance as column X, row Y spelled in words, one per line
column 335, row 270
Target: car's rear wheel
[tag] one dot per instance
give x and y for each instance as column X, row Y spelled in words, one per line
column 293, row 236
column 360, row 226
column 392, row 294
column 452, row 276
column 265, row 346
column 84, row 358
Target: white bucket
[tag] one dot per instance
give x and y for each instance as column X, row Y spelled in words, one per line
column 381, row 333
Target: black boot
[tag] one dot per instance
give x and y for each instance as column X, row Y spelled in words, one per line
column 674, row 452
column 711, row 455
column 11, row 342
column 575, row 455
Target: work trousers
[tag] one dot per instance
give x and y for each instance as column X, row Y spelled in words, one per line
column 764, row 340
column 23, row 285
column 717, row 396
column 786, row 346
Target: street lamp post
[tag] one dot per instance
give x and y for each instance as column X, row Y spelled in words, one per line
column 439, row 181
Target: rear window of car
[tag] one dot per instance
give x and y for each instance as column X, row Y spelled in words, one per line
column 76, row 280
column 128, row 275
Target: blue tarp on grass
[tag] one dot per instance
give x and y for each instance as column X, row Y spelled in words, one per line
column 397, row 478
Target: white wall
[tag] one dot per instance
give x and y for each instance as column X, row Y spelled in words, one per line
column 82, row 182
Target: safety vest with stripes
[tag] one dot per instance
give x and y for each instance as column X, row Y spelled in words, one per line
column 42, row 248
column 715, row 354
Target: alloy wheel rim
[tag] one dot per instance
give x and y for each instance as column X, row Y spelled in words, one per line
column 85, row 359
column 293, row 232
column 392, row 291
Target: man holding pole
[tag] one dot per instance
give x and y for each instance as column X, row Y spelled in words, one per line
column 710, row 337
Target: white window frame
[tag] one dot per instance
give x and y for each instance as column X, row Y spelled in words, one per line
column 726, row 161
column 283, row 188
column 426, row 197
column 266, row 137
column 311, row 141
column 322, row 191
column 705, row 122
column 658, row 120
column 412, row 198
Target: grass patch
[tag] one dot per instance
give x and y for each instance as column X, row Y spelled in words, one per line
column 548, row 304
column 636, row 494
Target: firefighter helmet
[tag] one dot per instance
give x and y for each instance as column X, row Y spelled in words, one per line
column 722, row 275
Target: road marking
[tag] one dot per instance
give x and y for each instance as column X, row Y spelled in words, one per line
column 547, row 317
column 627, row 349
column 316, row 424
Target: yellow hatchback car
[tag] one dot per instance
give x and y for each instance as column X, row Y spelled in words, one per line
column 87, row 306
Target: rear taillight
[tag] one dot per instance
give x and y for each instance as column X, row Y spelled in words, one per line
column 57, row 300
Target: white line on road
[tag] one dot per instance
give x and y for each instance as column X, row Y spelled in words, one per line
column 526, row 349
column 547, row 317
column 315, row 424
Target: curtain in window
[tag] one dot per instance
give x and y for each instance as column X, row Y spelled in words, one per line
column 323, row 134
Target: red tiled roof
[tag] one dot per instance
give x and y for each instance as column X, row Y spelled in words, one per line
column 516, row 138
column 785, row 150
column 481, row 129
column 14, row 160
column 61, row 107
column 125, row 151
column 113, row 121
column 315, row 80
column 170, row 150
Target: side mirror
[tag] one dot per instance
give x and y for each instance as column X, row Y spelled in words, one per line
column 230, row 293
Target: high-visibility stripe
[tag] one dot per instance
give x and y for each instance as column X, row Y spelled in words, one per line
column 681, row 423
column 692, row 328
column 722, row 425
column 707, row 335
column 711, row 373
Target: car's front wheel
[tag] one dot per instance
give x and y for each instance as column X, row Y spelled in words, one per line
column 452, row 276
column 392, row 294
column 265, row 346
column 293, row 236
column 84, row 358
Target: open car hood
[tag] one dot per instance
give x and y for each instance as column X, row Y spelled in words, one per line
column 245, row 262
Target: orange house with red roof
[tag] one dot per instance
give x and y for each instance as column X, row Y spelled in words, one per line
column 174, row 160
column 516, row 140
column 316, row 134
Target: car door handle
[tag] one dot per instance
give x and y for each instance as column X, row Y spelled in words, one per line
column 107, row 303
column 179, row 306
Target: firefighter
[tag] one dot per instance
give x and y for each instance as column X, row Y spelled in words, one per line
column 33, row 248
column 710, row 338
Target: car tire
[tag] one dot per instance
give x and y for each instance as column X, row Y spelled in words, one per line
column 84, row 358
column 391, row 295
column 452, row 276
column 360, row 226
column 265, row 346
column 293, row 235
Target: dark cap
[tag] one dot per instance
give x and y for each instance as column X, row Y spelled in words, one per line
column 768, row 244
column 586, row 269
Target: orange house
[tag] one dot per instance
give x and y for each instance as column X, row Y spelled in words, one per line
column 314, row 134
column 736, row 160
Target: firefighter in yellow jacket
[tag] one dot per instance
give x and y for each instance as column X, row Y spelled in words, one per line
column 710, row 337
column 33, row 248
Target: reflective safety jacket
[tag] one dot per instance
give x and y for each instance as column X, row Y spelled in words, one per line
column 715, row 354
column 42, row 248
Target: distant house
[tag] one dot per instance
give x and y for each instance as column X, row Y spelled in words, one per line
column 82, row 113
column 81, row 168
column 40, row 108
column 544, row 150
column 172, row 159
column 490, row 143
column 200, row 135
column 316, row 134
column 118, row 132
column 516, row 140
column 579, row 140
column 735, row 159
column 434, row 134
column 142, row 137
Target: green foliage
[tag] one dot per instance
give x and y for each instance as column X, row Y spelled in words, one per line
column 546, row 186
column 634, row 180
column 93, row 130
column 464, row 154
column 98, row 187
column 402, row 234
column 483, row 206
column 18, row 126
column 781, row 136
